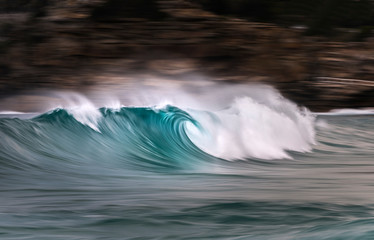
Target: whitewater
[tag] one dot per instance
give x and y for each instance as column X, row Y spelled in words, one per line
column 215, row 162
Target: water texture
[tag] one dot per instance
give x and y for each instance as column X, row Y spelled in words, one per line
column 257, row 168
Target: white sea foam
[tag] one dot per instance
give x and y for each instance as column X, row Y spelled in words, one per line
column 12, row 112
column 81, row 108
column 251, row 129
column 15, row 114
column 348, row 111
column 322, row 124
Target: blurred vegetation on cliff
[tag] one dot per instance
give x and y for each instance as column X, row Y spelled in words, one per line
column 319, row 17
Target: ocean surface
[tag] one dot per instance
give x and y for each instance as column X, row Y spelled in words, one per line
column 252, row 166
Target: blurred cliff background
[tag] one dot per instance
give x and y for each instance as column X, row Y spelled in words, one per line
column 319, row 53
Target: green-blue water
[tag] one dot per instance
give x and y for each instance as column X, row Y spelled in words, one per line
column 142, row 173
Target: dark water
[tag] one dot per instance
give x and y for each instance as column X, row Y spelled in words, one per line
column 146, row 173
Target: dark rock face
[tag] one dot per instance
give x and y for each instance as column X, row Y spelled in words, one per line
column 76, row 41
column 114, row 10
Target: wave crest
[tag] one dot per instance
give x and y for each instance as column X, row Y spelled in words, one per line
column 264, row 126
column 250, row 129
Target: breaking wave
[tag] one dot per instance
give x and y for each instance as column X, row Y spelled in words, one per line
column 158, row 136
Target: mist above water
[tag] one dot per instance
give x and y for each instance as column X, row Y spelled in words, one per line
column 234, row 121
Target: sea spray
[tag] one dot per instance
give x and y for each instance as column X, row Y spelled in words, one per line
column 83, row 110
column 257, row 123
column 249, row 129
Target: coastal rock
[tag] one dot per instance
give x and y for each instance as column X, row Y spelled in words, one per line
column 68, row 42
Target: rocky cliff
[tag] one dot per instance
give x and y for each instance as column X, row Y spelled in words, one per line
column 74, row 44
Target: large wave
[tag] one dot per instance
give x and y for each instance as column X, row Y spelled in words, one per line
column 178, row 136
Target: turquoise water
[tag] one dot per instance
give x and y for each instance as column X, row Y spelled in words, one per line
column 254, row 171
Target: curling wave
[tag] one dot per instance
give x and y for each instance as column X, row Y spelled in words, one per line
column 155, row 137
column 128, row 137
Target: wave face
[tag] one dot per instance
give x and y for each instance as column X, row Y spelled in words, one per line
column 123, row 138
column 217, row 164
column 157, row 137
